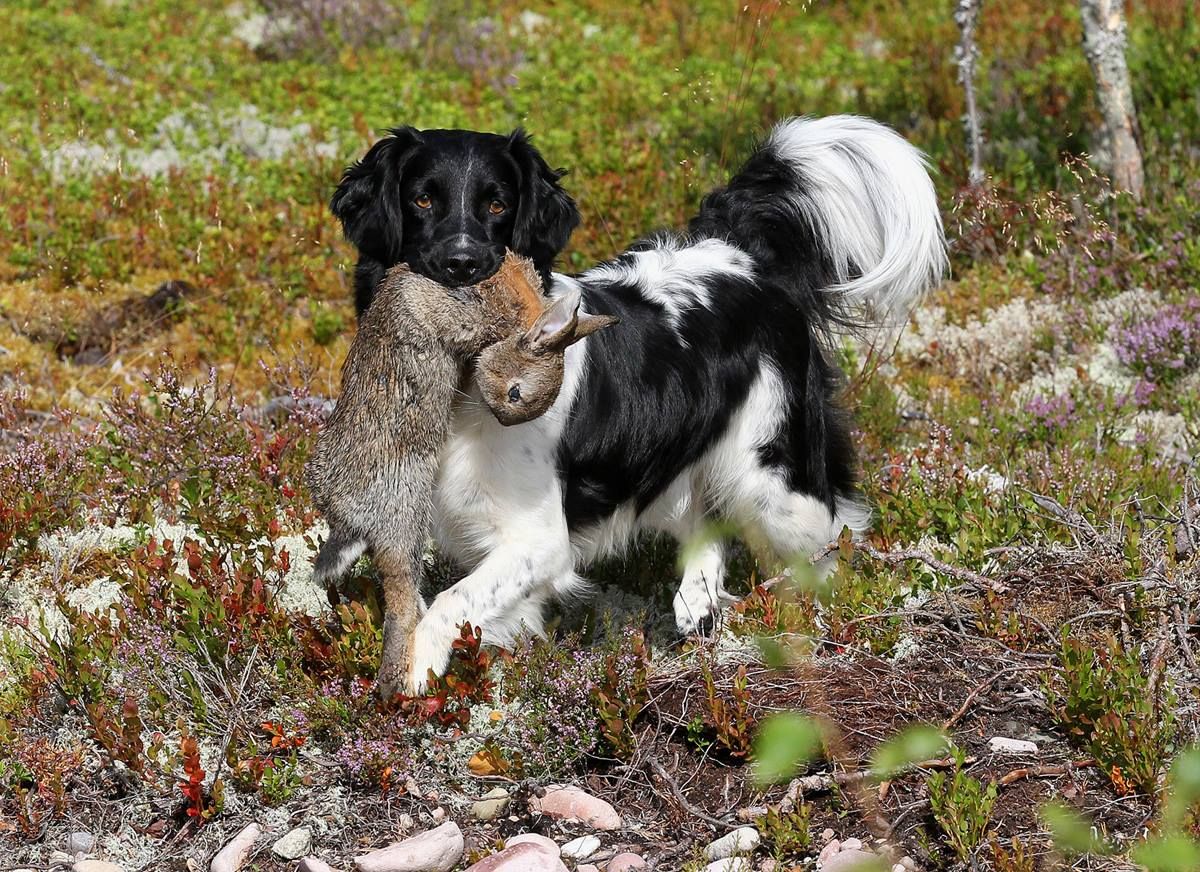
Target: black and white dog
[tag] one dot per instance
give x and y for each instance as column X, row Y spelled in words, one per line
column 715, row 398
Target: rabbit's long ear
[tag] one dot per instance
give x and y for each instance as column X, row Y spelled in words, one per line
column 562, row 325
column 555, row 327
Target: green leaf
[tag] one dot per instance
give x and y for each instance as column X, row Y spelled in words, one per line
column 774, row 654
column 916, row 743
column 1183, row 788
column 784, row 742
column 1174, row 853
column 1072, row 833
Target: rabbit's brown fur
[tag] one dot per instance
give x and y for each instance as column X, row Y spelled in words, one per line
column 373, row 470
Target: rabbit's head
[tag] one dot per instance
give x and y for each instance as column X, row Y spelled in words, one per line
column 520, row 376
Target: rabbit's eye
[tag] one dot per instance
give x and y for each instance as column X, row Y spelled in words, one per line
column 422, row 201
column 514, row 394
column 496, row 207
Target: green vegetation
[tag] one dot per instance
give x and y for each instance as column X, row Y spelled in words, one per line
column 1028, row 443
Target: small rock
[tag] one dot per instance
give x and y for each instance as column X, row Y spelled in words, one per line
column 233, row 855
column 437, row 850
column 587, row 867
column 81, row 843
column 314, row 864
column 898, row 867
column 830, row 849
column 581, row 848
column 625, row 862
column 406, row 822
column 571, row 803
column 826, row 836
column 849, row 861
column 438, row 815
column 908, row 863
column 852, row 844
column 522, row 857
column 293, row 845
column 60, row 858
column 546, row 844
column 768, row 865
column 493, row 804
column 95, row 866
column 1001, row 745
column 743, row 840
column 729, row 864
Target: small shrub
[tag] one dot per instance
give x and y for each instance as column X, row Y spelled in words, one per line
column 1164, row 346
column 729, row 720
column 962, row 807
column 1103, row 702
column 620, row 693
column 788, row 834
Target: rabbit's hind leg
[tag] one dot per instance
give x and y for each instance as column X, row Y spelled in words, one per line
column 402, row 609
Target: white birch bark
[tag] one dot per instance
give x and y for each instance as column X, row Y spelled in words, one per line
column 1104, row 45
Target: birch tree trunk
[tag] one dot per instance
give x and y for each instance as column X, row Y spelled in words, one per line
column 966, row 53
column 1104, row 45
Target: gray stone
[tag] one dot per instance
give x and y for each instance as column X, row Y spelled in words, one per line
column 729, row 864
column 571, row 803
column 81, row 843
column 95, row 866
column 293, row 845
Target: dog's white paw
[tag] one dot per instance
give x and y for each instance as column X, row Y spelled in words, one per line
column 697, row 609
column 430, row 652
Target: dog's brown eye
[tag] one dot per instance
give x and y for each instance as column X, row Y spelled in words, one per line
column 496, row 207
column 514, row 394
column 423, row 201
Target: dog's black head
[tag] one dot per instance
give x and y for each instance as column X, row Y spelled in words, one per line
column 448, row 203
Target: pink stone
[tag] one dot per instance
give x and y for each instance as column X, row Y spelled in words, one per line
column 522, row 857
column 437, row 850
column 626, row 862
column 573, row 804
column 314, row 864
column 535, row 839
column 831, row 848
column 232, row 856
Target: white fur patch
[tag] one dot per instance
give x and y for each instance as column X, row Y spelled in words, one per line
column 674, row 273
column 869, row 195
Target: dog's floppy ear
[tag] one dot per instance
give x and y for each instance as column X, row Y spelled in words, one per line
column 367, row 200
column 546, row 214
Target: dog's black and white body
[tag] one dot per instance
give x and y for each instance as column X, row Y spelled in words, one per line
column 715, row 398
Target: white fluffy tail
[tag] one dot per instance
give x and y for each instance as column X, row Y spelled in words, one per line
column 868, row 197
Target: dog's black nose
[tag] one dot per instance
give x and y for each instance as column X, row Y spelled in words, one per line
column 462, row 267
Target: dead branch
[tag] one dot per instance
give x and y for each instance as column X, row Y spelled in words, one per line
column 1042, row 771
column 677, row 792
column 980, row 688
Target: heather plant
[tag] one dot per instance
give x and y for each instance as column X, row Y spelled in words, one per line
column 1163, row 346
column 555, row 723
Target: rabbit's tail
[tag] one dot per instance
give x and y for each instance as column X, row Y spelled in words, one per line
column 337, row 555
column 840, row 210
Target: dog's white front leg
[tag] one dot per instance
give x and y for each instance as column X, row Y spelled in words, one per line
column 504, row 594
